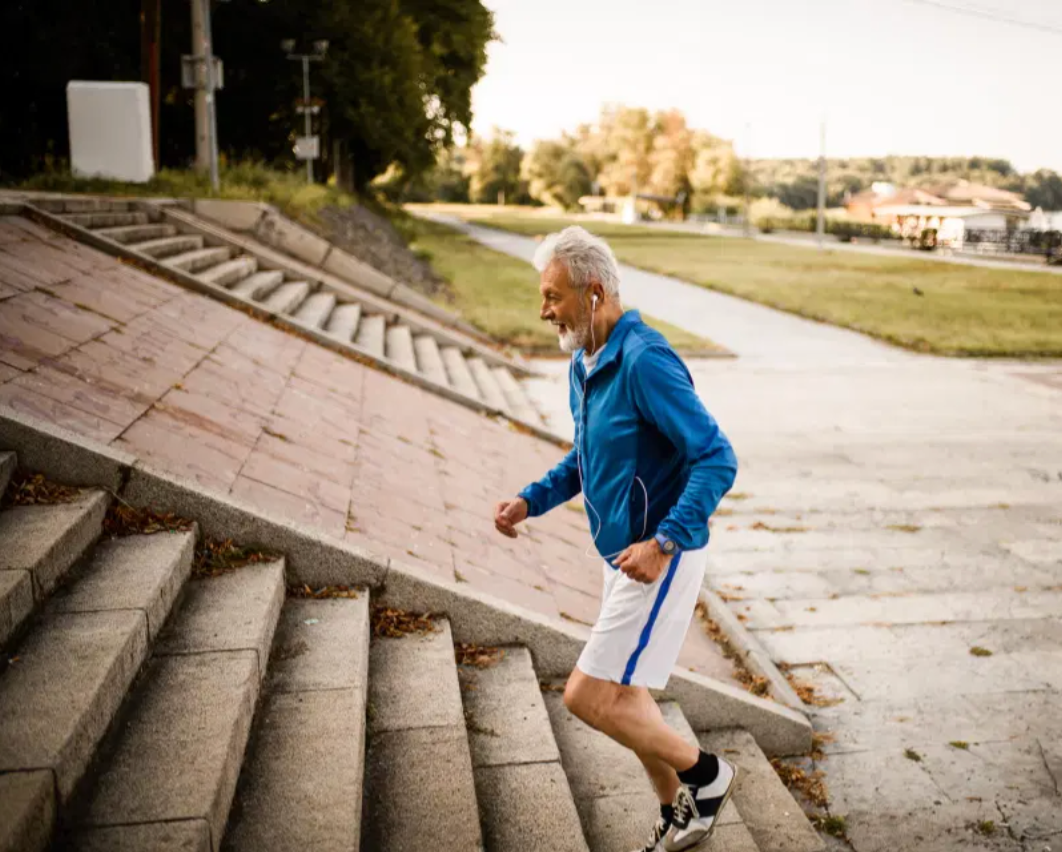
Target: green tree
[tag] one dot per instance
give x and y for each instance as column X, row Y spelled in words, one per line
column 493, row 169
column 1043, row 188
column 556, row 173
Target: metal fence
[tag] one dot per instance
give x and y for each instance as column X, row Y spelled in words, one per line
column 1047, row 244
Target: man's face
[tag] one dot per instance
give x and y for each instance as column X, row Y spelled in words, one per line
column 565, row 307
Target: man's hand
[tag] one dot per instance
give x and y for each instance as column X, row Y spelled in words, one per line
column 644, row 561
column 507, row 514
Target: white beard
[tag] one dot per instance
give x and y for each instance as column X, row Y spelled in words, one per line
column 575, row 339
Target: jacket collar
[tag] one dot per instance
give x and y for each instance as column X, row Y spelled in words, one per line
column 615, row 340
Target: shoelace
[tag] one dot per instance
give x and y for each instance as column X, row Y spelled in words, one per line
column 683, row 807
column 659, row 830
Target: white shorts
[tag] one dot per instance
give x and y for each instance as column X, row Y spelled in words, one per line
column 641, row 626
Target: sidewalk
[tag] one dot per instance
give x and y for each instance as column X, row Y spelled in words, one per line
column 893, row 512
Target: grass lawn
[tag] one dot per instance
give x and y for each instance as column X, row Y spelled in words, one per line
column 499, row 294
column 288, row 191
column 964, row 310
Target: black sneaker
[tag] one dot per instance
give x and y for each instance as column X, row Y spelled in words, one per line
column 697, row 808
column 655, row 841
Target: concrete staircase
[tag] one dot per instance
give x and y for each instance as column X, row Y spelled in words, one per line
column 239, row 270
column 143, row 707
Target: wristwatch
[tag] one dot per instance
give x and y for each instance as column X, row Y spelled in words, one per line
column 666, row 545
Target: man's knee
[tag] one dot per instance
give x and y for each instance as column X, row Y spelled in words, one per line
column 585, row 697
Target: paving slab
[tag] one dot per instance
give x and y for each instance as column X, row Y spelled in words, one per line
column 237, row 611
column 191, row 835
column 180, row 751
column 434, row 762
column 141, row 572
column 413, row 682
column 48, row 540
column 27, row 810
column 321, row 644
column 506, row 716
column 70, row 677
column 301, row 785
column 528, row 806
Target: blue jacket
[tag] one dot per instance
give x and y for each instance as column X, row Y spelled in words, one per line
column 640, row 419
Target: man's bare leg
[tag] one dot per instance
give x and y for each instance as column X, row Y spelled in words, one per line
column 629, row 715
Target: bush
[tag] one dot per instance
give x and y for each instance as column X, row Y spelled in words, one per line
column 847, row 231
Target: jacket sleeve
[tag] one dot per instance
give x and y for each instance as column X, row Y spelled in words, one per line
column 664, row 395
column 556, row 487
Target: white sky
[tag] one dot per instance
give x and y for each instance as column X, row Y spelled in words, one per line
column 890, row 76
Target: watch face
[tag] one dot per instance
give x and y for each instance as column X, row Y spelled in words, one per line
column 669, row 546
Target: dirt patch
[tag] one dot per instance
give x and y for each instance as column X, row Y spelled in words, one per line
column 374, row 240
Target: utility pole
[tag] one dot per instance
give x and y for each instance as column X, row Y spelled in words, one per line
column 308, row 147
column 748, row 180
column 150, row 35
column 206, row 144
column 820, row 227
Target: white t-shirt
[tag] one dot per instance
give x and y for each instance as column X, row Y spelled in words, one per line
column 590, row 361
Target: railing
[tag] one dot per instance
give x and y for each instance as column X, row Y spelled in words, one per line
column 1047, row 244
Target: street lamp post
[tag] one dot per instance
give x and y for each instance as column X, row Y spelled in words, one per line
column 307, row 148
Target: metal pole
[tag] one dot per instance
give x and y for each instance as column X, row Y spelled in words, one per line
column 308, row 124
column 150, row 36
column 202, row 116
column 820, row 227
column 211, row 96
column 748, row 180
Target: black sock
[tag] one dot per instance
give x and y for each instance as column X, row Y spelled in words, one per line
column 667, row 814
column 703, row 772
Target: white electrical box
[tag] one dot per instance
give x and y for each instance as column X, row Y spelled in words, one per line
column 110, row 130
column 307, row 147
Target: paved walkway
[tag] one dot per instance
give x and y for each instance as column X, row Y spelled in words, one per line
column 208, row 393
column 893, row 513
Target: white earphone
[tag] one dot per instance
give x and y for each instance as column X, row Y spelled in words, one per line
column 579, row 465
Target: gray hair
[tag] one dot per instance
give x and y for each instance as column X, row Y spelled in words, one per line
column 588, row 258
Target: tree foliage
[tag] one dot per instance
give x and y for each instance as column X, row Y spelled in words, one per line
column 556, row 174
column 493, row 168
column 395, row 86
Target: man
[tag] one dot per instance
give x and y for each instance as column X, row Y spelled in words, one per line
column 652, row 466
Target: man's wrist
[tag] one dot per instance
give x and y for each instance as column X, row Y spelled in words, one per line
column 665, row 545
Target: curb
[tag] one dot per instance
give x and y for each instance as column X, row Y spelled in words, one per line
column 750, row 651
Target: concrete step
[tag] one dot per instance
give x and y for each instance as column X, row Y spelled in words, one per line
column 75, row 667
column 524, row 798
column 316, row 309
column 259, row 285
column 343, row 322
column 301, row 784
column 418, row 777
column 399, row 347
column 616, row 802
column 771, row 814
column 8, row 466
column 519, row 404
column 230, row 271
column 105, row 219
column 168, row 246
column 82, row 204
column 287, row 297
column 429, row 359
column 371, row 334
column 199, row 259
column 137, row 233
column 460, row 376
column 44, row 541
column 178, row 752
column 489, row 390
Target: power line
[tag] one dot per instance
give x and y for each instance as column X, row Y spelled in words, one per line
column 990, row 15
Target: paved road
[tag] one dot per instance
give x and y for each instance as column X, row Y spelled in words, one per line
column 896, row 511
